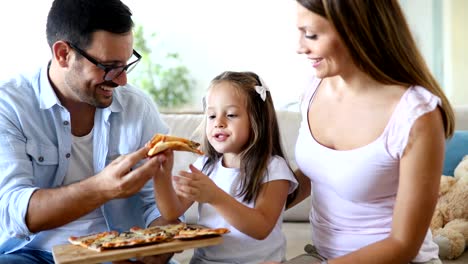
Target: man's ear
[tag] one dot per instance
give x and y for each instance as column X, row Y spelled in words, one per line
column 61, row 53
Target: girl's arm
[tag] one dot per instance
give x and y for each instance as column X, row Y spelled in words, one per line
column 169, row 204
column 420, row 172
column 256, row 222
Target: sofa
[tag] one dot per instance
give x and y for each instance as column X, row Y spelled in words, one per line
column 295, row 222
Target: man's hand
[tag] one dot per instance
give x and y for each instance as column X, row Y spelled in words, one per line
column 121, row 181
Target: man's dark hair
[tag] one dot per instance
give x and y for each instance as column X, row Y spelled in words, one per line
column 75, row 20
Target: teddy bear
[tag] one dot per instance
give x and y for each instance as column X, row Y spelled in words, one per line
column 449, row 224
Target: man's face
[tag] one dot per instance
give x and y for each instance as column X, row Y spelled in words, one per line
column 85, row 81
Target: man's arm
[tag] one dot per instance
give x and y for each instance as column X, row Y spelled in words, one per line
column 50, row 208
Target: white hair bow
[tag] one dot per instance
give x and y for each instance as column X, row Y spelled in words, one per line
column 262, row 89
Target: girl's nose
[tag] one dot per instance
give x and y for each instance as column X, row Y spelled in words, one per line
column 219, row 123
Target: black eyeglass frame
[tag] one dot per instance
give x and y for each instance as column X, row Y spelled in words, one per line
column 108, row 69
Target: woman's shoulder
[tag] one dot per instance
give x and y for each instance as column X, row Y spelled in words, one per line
column 415, row 102
column 418, row 95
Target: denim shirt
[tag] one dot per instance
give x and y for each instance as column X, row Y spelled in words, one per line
column 35, row 147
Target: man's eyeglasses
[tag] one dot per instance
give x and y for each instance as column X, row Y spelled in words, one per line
column 110, row 72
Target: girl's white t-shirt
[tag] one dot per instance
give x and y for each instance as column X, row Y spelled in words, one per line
column 238, row 247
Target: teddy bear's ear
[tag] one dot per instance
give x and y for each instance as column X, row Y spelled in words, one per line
column 461, row 171
column 446, row 182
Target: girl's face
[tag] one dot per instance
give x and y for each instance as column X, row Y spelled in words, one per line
column 321, row 44
column 227, row 120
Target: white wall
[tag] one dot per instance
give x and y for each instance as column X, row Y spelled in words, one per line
column 420, row 17
column 217, row 35
column 211, row 36
column 23, row 44
column 237, row 35
column 455, row 51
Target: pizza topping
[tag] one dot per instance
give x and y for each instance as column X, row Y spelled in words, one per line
column 93, row 241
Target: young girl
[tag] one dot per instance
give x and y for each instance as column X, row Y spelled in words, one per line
column 243, row 181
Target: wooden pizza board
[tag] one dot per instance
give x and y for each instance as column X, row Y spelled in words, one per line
column 68, row 254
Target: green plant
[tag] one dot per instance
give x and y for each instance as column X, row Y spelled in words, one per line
column 165, row 78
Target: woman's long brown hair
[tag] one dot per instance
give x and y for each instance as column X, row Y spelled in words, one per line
column 381, row 44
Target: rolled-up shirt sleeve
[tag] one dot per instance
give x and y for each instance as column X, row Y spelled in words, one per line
column 16, row 183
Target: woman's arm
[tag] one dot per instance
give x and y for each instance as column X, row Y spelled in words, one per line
column 420, row 172
column 302, row 191
column 256, row 222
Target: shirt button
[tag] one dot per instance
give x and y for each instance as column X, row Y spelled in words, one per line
column 65, row 123
column 67, row 155
column 41, row 159
column 27, row 238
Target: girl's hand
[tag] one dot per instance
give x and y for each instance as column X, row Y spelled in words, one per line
column 195, row 186
column 165, row 165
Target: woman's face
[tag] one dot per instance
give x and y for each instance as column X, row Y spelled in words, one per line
column 321, row 44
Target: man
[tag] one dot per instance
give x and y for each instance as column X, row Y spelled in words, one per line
column 73, row 135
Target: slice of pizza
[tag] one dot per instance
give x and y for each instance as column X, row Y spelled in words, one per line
column 93, row 241
column 129, row 238
column 170, row 230
column 161, row 142
column 194, row 231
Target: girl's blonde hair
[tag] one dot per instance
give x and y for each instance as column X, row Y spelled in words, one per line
column 264, row 139
column 381, row 44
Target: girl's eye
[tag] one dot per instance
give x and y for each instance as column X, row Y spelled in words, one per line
column 231, row 115
column 211, row 116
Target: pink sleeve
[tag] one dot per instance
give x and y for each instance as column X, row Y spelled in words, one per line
column 416, row 102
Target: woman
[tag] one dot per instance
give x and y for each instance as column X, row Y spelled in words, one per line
column 372, row 137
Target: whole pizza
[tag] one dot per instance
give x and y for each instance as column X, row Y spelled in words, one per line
column 141, row 236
